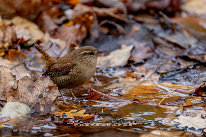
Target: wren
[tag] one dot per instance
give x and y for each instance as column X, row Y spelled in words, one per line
column 72, row 70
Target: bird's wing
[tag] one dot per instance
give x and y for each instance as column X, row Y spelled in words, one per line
column 59, row 69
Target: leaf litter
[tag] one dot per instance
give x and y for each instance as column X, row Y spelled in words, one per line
column 154, row 79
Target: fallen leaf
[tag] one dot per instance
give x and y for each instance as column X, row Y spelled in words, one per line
column 15, row 55
column 142, row 52
column 74, row 33
column 82, row 15
column 9, row 36
column 7, row 82
column 13, row 110
column 46, row 22
column 2, row 52
column 195, row 7
column 196, row 122
column 72, row 2
column 142, row 89
column 17, row 67
column 201, row 90
column 195, row 26
column 113, row 4
column 167, row 6
column 24, row 8
column 27, row 30
column 39, row 95
column 118, row 57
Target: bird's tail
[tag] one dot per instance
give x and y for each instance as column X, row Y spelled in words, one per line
column 49, row 60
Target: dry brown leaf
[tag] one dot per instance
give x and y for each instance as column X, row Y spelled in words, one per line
column 2, row 52
column 46, row 22
column 195, row 26
column 17, row 66
column 29, row 9
column 142, row 52
column 39, row 95
column 74, row 33
column 201, row 90
column 72, row 2
column 7, row 82
column 118, row 57
column 27, row 30
column 15, row 55
column 82, row 15
column 9, row 35
column 195, row 7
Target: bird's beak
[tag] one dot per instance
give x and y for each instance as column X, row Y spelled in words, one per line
column 99, row 52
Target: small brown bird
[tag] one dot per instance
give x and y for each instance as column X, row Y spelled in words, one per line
column 72, row 70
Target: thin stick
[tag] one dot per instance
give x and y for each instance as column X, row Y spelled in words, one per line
column 166, row 96
column 146, row 77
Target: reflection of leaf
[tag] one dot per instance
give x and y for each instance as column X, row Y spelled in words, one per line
column 196, row 122
column 153, row 88
column 74, row 113
column 142, row 89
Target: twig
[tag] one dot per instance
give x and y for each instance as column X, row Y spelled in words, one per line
column 166, row 96
column 19, row 64
column 116, row 16
column 146, row 77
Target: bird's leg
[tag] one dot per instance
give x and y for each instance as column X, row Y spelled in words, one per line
column 72, row 94
column 64, row 101
column 95, row 79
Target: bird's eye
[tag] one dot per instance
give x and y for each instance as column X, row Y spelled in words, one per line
column 91, row 53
